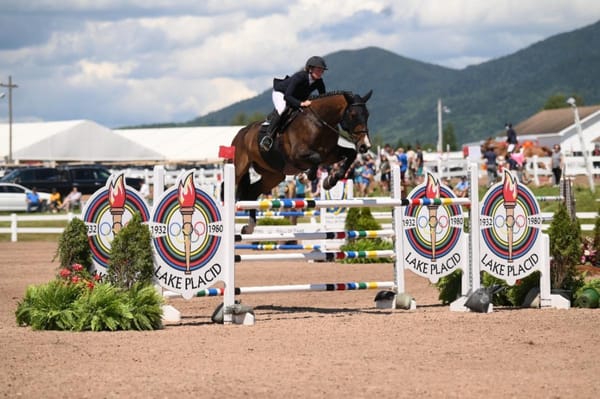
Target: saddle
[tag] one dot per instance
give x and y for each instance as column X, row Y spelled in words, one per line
column 275, row 157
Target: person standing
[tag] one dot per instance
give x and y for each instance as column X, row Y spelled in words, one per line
column 558, row 163
column 490, row 163
column 511, row 137
column 403, row 162
column 293, row 92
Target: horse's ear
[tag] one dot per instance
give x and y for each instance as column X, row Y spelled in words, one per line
column 366, row 97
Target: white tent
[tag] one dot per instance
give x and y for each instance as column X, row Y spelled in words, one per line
column 78, row 140
column 87, row 141
column 199, row 144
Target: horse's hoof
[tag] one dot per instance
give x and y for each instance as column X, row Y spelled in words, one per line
column 329, row 183
column 247, row 229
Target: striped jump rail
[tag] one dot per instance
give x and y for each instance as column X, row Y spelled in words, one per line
column 351, row 286
column 319, row 235
column 274, row 247
column 321, row 256
column 349, row 203
column 550, row 198
column 281, row 213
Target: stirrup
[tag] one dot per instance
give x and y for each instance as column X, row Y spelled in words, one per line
column 266, row 143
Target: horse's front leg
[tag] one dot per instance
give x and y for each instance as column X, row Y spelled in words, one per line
column 348, row 155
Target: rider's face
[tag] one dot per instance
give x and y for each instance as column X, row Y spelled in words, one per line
column 317, row 72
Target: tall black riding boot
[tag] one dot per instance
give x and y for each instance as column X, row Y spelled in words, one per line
column 267, row 142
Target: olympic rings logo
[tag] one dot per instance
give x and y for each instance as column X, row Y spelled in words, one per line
column 439, row 223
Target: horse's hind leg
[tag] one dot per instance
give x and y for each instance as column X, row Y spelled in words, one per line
column 249, row 192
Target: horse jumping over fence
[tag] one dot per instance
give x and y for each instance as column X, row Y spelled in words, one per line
column 310, row 140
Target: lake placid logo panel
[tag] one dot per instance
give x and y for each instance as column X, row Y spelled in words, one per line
column 510, row 228
column 106, row 212
column 433, row 239
column 187, row 227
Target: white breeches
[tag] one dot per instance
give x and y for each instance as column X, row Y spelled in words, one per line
column 278, row 101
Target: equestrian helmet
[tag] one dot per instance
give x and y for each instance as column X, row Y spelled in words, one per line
column 316, row 62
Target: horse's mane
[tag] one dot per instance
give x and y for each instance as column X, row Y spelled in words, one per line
column 331, row 93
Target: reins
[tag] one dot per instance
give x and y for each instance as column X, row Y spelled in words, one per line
column 320, row 120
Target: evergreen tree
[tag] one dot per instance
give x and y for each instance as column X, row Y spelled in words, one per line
column 131, row 255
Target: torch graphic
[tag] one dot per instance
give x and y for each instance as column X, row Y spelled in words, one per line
column 509, row 192
column 187, row 199
column 116, row 198
column 432, row 190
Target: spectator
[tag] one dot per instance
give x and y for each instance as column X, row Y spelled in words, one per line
column 490, row 163
column 385, row 169
column 558, row 163
column 34, row 202
column 368, row 176
column 145, row 190
column 302, row 182
column 72, row 201
column 403, row 162
column 596, row 153
column 419, row 164
column 462, row 187
column 411, row 157
column 55, row 201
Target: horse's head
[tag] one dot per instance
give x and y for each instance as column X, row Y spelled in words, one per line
column 354, row 120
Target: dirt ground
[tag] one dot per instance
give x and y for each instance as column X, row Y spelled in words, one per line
column 317, row 344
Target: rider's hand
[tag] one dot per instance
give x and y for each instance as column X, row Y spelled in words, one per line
column 305, row 103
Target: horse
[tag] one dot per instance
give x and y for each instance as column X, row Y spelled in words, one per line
column 310, row 139
column 528, row 148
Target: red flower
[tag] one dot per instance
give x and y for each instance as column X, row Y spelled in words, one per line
column 97, row 277
column 77, row 267
column 90, row 285
column 75, row 279
column 64, row 273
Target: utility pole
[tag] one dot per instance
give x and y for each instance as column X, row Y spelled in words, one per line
column 10, row 86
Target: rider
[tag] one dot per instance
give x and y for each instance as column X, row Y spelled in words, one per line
column 293, row 92
column 511, row 137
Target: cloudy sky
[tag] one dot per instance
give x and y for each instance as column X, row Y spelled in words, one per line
column 126, row 62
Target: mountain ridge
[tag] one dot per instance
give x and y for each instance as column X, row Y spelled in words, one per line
column 481, row 97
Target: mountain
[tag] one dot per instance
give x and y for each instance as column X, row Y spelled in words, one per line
column 481, row 97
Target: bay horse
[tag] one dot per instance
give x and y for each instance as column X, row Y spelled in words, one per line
column 310, row 139
column 528, row 148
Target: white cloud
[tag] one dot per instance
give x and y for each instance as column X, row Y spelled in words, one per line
column 144, row 61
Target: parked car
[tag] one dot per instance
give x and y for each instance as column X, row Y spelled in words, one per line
column 87, row 178
column 13, row 197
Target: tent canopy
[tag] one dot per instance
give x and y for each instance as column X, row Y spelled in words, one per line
column 87, row 141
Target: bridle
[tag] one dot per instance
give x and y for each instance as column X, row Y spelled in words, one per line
column 350, row 129
column 354, row 134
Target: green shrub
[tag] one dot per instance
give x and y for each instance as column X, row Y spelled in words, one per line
column 266, row 221
column 103, row 308
column 78, row 301
column 131, row 255
column 144, row 303
column 362, row 219
column 449, row 287
column 48, row 306
column 73, row 246
column 565, row 250
column 63, row 305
